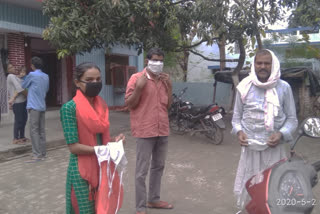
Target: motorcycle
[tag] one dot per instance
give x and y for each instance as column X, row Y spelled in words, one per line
column 286, row 187
column 184, row 118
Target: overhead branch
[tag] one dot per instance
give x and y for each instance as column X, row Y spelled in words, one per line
column 236, row 1
column 181, row 48
column 213, row 60
column 179, row 2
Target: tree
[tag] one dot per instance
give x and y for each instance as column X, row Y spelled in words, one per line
column 80, row 25
column 240, row 22
column 305, row 13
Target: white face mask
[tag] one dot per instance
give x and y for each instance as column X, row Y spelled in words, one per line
column 155, row 67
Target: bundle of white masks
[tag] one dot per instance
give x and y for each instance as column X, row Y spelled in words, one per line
column 257, row 145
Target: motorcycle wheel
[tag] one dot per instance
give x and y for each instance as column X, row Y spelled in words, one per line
column 176, row 126
column 215, row 134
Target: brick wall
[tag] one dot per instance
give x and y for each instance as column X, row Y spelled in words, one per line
column 16, row 49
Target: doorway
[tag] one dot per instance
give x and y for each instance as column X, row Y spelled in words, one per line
column 51, row 66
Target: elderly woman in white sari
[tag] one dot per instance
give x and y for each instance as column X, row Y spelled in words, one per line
column 265, row 114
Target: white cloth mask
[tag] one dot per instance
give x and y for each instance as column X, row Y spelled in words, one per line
column 155, row 67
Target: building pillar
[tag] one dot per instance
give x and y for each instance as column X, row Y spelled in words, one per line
column 16, row 49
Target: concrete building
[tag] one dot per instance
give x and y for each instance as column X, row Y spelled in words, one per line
column 21, row 25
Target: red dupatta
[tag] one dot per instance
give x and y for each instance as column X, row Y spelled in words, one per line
column 91, row 120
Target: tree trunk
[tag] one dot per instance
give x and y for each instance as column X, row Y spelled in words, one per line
column 185, row 74
column 183, row 63
column 256, row 15
column 236, row 71
column 185, row 58
column 258, row 37
column 242, row 57
column 222, row 52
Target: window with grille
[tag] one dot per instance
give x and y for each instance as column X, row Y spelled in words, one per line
column 118, row 72
column 120, row 76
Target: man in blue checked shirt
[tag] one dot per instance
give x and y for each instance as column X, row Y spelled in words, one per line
column 37, row 83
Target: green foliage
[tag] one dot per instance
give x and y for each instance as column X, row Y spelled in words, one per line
column 301, row 48
column 81, row 25
column 236, row 19
column 291, row 64
column 267, row 43
column 303, row 51
column 170, row 59
column 296, row 49
column 305, row 13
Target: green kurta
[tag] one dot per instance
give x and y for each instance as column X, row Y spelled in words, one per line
column 80, row 186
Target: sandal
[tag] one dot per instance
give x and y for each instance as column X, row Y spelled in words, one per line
column 160, row 205
column 18, row 142
column 26, row 140
column 33, row 160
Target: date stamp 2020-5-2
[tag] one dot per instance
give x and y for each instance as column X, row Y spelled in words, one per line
column 295, row 202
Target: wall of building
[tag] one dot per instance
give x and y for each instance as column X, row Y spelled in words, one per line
column 31, row 22
column 15, row 22
column 3, row 91
column 134, row 60
column 16, row 49
column 202, row 93
column 21, row 15
column 198, row 67
column 20, row 19
column 97, row 56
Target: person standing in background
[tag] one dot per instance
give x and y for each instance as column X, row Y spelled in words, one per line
column 17, row 102
column 148, row 97
column 37, row 83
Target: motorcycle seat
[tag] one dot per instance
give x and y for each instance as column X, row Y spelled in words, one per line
column 196, row 110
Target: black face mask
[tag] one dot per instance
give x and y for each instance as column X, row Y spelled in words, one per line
column 92, row 88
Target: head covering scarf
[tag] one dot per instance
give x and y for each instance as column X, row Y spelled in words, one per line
column 271, row 103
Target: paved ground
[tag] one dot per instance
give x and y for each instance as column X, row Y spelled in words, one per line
column 54, row 132
column 198, row 177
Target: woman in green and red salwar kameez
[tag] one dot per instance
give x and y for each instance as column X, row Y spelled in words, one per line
column 85, row 125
